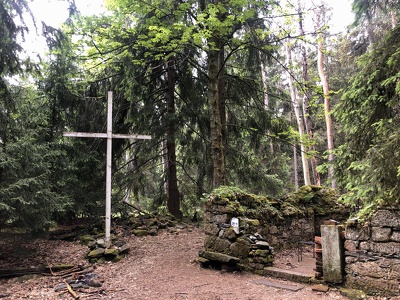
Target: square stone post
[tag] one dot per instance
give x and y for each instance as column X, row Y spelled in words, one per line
column 332, row 253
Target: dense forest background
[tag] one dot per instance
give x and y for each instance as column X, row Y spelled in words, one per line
column 254, row 94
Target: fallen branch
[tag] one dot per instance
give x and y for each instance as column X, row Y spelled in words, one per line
column 137, row 208
column 39, row 270
column 70, row 290
column 67, row 273
column 48, row 265
column 77, row 272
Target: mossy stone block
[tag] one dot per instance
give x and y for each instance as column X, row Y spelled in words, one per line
column 140, row 232
column 96, row 253
column 111, row 252
column 86, row 240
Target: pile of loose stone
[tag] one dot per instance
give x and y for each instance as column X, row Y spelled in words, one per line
column 231, row 249
column 138, row 225
column 98, row 252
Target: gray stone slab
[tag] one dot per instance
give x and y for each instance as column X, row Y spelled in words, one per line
column 332, row 253
column 287, row 274
column 289, row 287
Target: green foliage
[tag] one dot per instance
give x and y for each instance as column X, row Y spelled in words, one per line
column 12, row 27
column 128, row 52
column 29, row 195
column 368, row 161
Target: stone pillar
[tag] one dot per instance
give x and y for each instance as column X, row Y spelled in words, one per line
column 332, row 253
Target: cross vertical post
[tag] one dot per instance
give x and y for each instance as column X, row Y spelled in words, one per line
column 109, row 136
column 108, row 170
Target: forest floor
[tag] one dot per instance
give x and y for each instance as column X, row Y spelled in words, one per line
column 157, row 267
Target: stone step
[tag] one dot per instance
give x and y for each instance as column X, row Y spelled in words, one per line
column 287, row 274
column 284, row 286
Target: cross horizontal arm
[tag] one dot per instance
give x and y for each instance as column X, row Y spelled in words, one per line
column 104, row 135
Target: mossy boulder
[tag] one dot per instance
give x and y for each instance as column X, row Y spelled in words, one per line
column 140, row 232
column 111, row 252
column 86, row 239
column 96, row 253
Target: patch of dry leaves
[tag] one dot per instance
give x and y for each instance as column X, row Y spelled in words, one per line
column 158, row 267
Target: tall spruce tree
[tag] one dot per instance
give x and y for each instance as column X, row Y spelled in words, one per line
column 368, row 161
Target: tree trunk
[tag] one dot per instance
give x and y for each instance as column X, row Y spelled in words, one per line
column 265, row 96
column 217, row 107
column 327, row 101
column 306, row 96
column 299, row 119
column 295, row 168
column 392, row 14
column 164, row 164
column 221, row 103
column 173, row 202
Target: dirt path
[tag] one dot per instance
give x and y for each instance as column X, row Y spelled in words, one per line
column 158, row 267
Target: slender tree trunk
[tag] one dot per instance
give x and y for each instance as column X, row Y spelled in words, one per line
column 164, row 163
column 265, row 94
column 392, row 14
column 327, row 100
column 173, row 202
column 221, row 103
column 306, row 96
column 299, row 119
column 295, row 167
column 393, row 18
column 217, row 107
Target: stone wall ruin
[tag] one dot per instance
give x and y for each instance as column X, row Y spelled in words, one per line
column 265, row 225
column 371, row 250
column 372, row 253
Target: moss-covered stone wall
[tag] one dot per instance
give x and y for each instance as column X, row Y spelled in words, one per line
column 264, row 223
column 372, row 253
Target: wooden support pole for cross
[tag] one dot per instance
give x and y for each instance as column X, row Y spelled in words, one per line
column 109, row 136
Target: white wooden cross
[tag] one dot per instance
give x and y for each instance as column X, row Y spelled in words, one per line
column 109, row 136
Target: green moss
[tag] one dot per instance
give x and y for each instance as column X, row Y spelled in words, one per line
column 111, row 252
column 250, row 225
column 96, row 253
column 288, row 209
column 322, row 201
column 86, row 239
column 229, row 234
column 234, row 208
column 306, row 201
column 140, row 232
column 240, row 203
column 259, row 252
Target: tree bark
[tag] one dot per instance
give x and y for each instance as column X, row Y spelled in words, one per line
column 173, row 202
column 295, row 168
column 299, row 119
column 217, row 108
column 265, row 95
column 306, row 96
column 327, row 100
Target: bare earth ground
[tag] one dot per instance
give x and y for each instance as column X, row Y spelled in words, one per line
column 158, row 267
